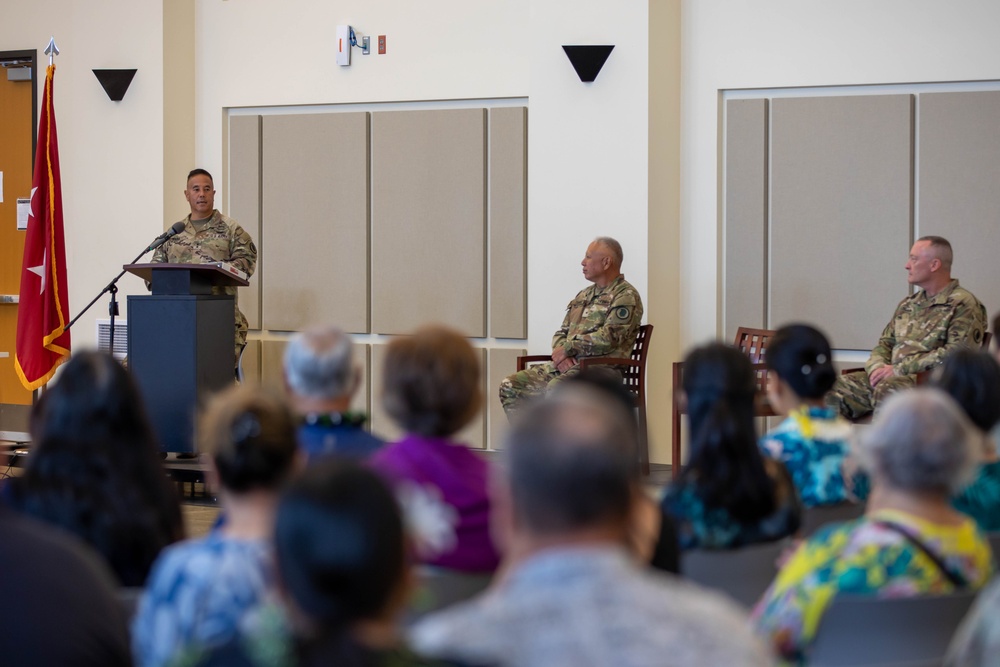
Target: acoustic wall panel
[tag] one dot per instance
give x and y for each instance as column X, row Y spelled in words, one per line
column 429, row 220
column 315, row 221
column 473, row 435
column 841, row 215
column 502, row 363
column 244, row 199
column 508, row 222
column 746, row 216
column 273, row 374
column 960, row 184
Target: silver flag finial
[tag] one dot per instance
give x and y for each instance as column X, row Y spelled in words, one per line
column 52, row 50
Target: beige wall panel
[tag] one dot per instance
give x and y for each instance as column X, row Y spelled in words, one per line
column 251, row 363
column 428, row 220
column 746, row 215
column 959, row 193
column 244, row 199
column 508, row 222
column 315, row 221
column 841, row 213
column 273, row 374
column 473, row 435
column 502, row 363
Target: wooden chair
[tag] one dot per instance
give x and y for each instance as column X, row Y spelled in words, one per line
column 633, row 375
column 753, row 343
column 864, row 630
column 742, row 574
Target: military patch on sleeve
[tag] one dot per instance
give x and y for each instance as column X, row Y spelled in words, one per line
column 978, row 336
column 621, row 312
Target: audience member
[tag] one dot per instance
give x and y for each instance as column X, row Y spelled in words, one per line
column 200, row 590
column 95, row 470
column 341, row 554
column 728, row 495
column 910, row 541
column 973, row 380
column 571, row 592
column 431, row 387
column 653, row 536
column 59, row 600
column 941, row 316
column 813, row 442
column 321, row 379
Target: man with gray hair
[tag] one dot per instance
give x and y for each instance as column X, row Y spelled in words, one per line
column 321, row 379
column 571, row 592
column 602, row 321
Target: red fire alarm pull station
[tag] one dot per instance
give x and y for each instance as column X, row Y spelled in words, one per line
column 381, row 44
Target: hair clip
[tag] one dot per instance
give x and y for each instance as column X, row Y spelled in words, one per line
column 806, row 369
column 820, row 358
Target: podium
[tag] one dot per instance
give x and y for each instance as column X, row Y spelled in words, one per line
column 181, row 344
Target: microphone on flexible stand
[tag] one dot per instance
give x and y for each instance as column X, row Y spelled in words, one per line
column 175, row 229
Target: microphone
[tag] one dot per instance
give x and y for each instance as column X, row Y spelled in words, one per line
column 177, row 228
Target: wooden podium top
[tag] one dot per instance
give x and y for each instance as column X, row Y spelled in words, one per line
column 214, row 274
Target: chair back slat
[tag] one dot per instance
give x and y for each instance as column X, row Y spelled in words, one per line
column 753, row 343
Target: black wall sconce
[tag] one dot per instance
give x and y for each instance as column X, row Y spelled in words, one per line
column 588, row 59
column 115, row 81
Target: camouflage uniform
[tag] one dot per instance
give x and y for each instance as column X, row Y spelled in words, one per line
column 598, row 323
column 220, row 239
column 922, row 332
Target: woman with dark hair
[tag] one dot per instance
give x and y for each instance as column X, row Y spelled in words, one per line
column 201, row 590
column 95, row 470
column 431, row 388
column 813, row 440
column 972, row 378
column 728, row 495
column 345, row 578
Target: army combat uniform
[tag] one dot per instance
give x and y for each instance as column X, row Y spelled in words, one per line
column 219, row 239
column 598, row 323
column 922, row 332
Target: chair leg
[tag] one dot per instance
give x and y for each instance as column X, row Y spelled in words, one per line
column 643, row 442
column 675, row 445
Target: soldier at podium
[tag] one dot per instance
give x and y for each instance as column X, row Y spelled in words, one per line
column 208, row 237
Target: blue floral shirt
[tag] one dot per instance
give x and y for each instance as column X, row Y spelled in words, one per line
column 813, row 444
column 198, row 593
column 981, row 498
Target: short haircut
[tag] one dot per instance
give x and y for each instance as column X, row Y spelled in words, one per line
column 200, row 172
column 250, row 435
column 614, row 246
column 942, row 249
column 431, row 383
column 800, row 355
column 921, row 441
column 319, row 363
column 972, row 378
column 570, row 465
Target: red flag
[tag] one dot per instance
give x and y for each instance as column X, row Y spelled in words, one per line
column 42, row 342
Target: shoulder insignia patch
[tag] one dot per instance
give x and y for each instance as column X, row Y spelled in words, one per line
column 622, row 312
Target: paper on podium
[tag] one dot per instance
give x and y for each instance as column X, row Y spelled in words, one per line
column 229, row 268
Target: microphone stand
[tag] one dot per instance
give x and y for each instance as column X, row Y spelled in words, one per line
column 111, row 287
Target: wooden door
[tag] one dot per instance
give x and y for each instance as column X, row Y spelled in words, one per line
column 17, row 131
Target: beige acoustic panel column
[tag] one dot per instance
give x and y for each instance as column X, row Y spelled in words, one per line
column 473, row 435
column 251, row 363
column 315, row 224
column 841, row 213
column 959, row 137
column 508, row 222
column 273, row 374
column 429, row 220
column 502, row 363
column 746, row 216
column 244, row 200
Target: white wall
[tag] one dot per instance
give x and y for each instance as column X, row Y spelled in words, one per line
column 110, row 152
column 782, row 43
